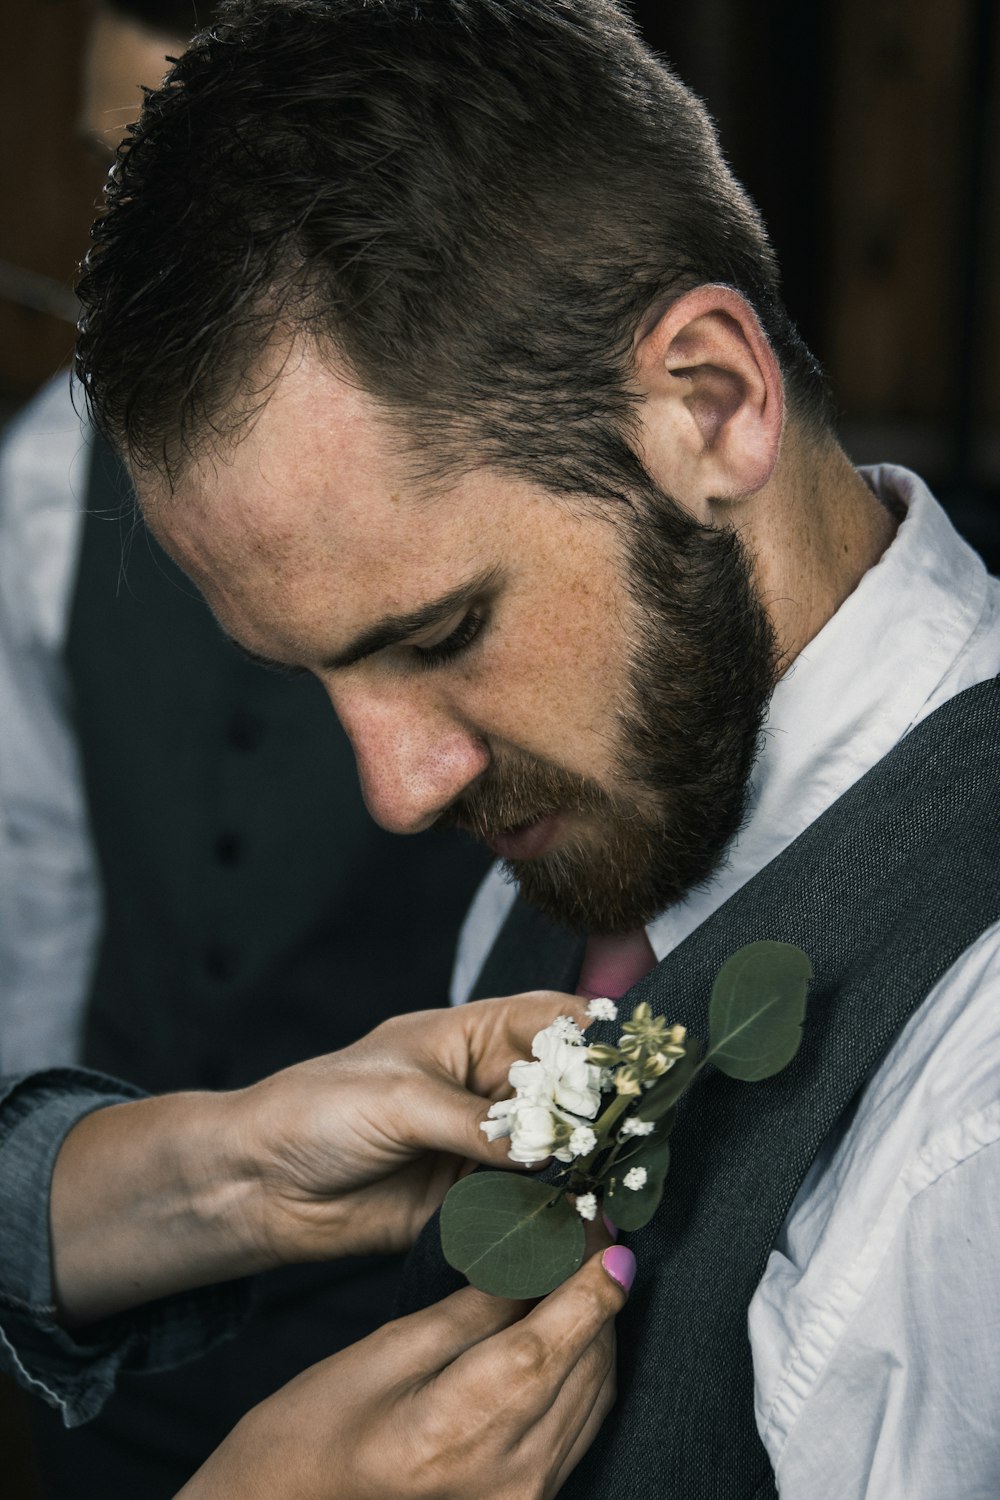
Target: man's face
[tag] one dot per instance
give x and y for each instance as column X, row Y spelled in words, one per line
column 577, row 682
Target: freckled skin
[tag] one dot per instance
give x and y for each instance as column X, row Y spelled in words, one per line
column 307, row 531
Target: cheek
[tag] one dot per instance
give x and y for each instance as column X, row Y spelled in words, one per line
column 551, row 685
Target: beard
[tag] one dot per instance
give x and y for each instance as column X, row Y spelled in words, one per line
column 702, row 667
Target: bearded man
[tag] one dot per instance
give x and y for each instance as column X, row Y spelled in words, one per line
column 459, row 377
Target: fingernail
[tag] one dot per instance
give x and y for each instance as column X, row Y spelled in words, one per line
column 619, row 1262
column 611, row 1228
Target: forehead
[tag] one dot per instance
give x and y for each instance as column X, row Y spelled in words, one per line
column 311, row 523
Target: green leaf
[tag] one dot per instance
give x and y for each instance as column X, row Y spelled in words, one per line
column 666, row 1091
column 631, row 1208
column 508, row 1236
column 758, row 1003
column 666, row 1123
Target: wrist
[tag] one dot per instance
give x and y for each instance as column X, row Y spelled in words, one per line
column 150, row 1198
column 273, row 1137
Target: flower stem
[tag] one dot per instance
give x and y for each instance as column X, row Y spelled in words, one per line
column 602, row 1128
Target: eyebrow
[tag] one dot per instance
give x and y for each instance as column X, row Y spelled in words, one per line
column 393, row 630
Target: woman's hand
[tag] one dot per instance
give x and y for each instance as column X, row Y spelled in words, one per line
column 355, row 1150
column 473, row 1397
column 344, row 1154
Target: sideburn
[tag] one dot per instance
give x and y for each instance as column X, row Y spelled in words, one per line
column 701, row 681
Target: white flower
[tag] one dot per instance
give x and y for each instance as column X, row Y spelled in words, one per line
column 554, row 1096
column 562, row 1072
column 582, row 1141
column 636, row 1127
column 635, row 1178
column 497, row 1126
column 563, row 1026
column 602, row 1010
column 536, row 1129
column 586, row 1205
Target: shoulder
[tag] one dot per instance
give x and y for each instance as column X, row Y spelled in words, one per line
column 939, row 1074
column 44, row 464
column 51, row 416
column 44, row 453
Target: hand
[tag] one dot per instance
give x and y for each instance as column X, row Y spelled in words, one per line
column 355, row 1150
column 472, row 1397
column 347, row 1153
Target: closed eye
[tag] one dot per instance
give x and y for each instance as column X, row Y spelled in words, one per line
column 282, row 669
column 459, row 640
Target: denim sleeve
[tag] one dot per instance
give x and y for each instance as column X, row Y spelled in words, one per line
column 75, row 1372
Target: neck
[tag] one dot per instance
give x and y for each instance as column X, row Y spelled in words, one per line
column 815, row 533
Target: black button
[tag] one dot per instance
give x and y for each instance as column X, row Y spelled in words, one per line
column 229, row 848
column 220, row 961
column 246, row 731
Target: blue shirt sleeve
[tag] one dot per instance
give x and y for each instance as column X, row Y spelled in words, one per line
column 75, row 1372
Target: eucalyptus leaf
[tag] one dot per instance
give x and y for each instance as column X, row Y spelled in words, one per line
column 631, row 1208
column 508, row 1236
column 756, row 1011
column 666, row 1091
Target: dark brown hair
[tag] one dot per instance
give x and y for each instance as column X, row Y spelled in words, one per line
column 471, row 203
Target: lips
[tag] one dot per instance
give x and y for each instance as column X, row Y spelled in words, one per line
column 529, row 841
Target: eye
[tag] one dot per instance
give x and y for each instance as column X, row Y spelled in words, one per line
column 280, row 669
column 459, row 640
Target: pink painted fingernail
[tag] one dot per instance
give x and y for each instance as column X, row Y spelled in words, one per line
column 619, row 1262
column 610, row 1227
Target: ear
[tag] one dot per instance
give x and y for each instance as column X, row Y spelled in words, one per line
column 711, row 419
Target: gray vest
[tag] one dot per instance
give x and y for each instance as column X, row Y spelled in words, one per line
column 884, row 892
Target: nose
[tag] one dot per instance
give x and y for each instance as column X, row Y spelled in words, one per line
column 412, row 761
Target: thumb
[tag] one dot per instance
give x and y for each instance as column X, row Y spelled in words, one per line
column 555, row 1334
column 444, row 1116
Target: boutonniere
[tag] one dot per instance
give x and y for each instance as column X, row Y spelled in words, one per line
column 605, row 1112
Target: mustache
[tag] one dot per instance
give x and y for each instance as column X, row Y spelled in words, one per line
column 519, row 790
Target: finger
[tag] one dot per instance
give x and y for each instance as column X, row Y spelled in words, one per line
column 569, row 1428
column 535, row 1355
column 436, row 1336
column 500, row 1031
column 574, row 1416
column 459, row 1063
column 436, row 1114
column 598, row 1236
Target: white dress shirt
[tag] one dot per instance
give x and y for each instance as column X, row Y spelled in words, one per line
column 875, row 1330
column 49, row 893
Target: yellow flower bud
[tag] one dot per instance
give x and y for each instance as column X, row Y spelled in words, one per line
column 627, row 1081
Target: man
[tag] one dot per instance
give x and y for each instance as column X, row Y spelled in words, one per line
column 112, row 1201
column 463, row 383
column 207, row 932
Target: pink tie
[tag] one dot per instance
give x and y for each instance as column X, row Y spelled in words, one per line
column 612, row 965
